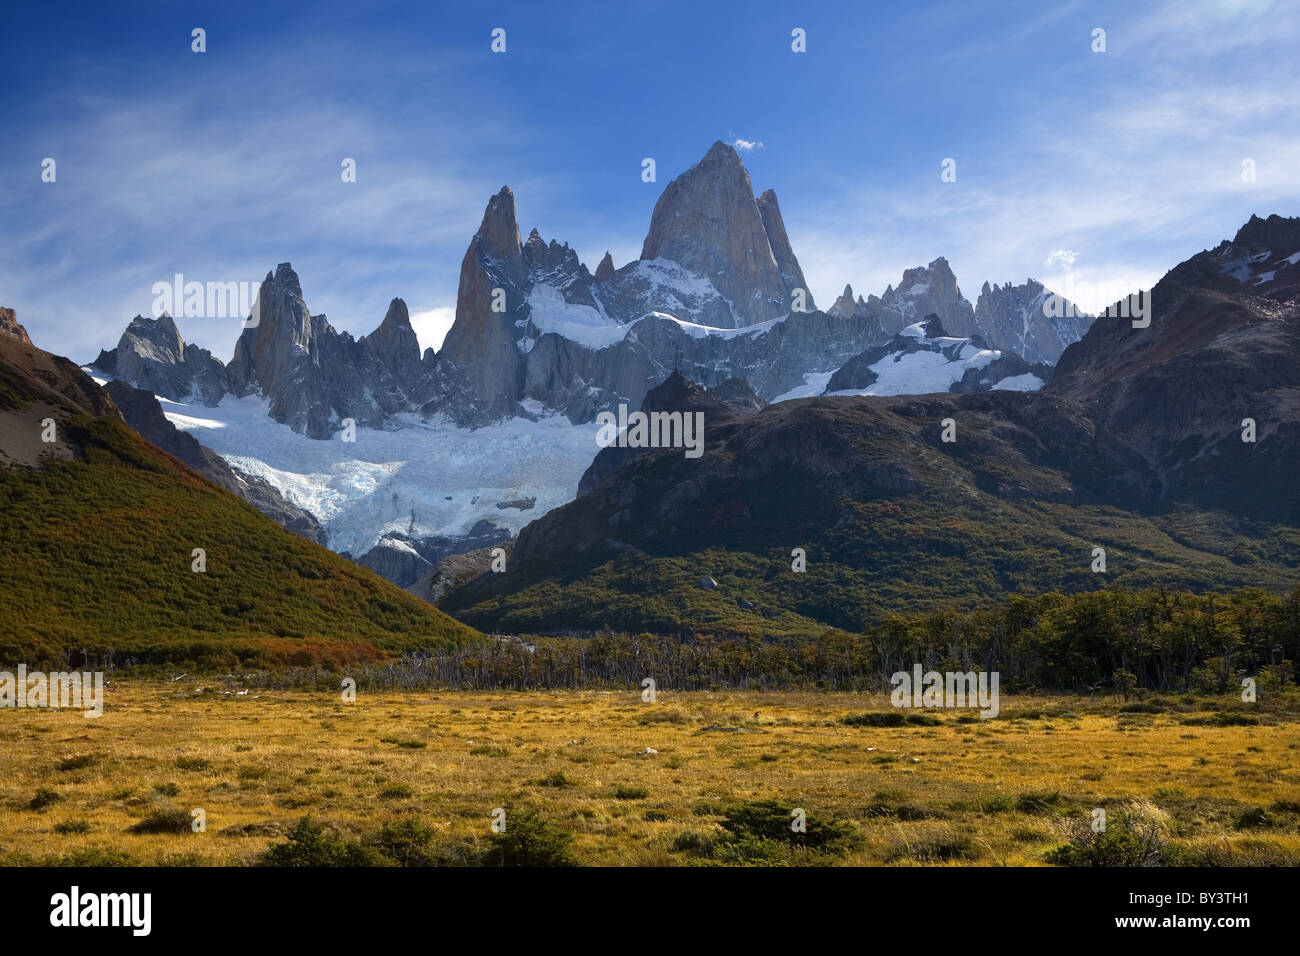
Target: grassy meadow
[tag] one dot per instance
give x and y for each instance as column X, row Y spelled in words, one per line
column 413, row 777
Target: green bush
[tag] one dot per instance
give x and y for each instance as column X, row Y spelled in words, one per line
column 44, row 798
column 771, row 821
column 163, row 821
column 1130, row 839
column 529, row 840
column 407, row 842
column 310, row 843
column 1040, row 803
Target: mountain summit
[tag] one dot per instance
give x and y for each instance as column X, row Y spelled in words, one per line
column 708, row 221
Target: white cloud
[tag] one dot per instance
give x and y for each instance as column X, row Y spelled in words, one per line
column 431, row 325
column 747, row 145
column 1130, row 177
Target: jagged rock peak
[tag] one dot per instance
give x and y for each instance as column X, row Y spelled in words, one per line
column 397, row 322
column 9, row 325
column 286, row 280
column 845, row 304
column 791, row 274
column 606, row 267
column 1258, row 234
column 499, row 232
column 160, row 332
column 708, row 222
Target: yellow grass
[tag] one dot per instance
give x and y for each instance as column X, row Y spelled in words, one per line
column 273, row 756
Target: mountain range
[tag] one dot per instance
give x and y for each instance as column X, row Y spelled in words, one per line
column 1159, row 454
column 717, row 294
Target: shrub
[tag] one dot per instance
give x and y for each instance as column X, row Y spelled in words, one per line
column 163, row 821
column 888, row 718
column 79, row 761
column 407, row 842
column 1253, row 819
column 1222, row 719
column 692, row 841
column 631, row 793
column 1040, row 803
column 1134, row 837
column 995, row 803
column 769, row 820
column 1143, row 707
column 44, row 798
column 939, row 845
column 529, row 840
column 311, row 844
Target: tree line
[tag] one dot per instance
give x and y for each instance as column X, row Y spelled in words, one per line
column 1116, row 639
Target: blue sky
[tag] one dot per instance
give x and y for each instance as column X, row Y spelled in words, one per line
column 220, row 165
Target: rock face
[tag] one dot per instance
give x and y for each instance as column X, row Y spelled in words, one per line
column 314, row 377
column 452, row 570
column 152, row 355
column 1016, row 318
column 405, row 560
column 1007, row 318
column 482, row 339
column 791, row 275
column 9, row 326
column 931, row 290
column 36, row 386
column 532, row 323
column 1223, row 346
column 845, row 305
column 142, row 412
column 708, row 222
column 396, row 347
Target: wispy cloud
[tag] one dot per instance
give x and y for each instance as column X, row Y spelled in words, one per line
column 1130, row 175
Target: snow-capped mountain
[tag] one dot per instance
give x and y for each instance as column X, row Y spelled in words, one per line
column 1010, row 318
column 540, row 345
column 922, row 358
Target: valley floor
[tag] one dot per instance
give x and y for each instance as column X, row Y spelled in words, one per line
column 1191, row 775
